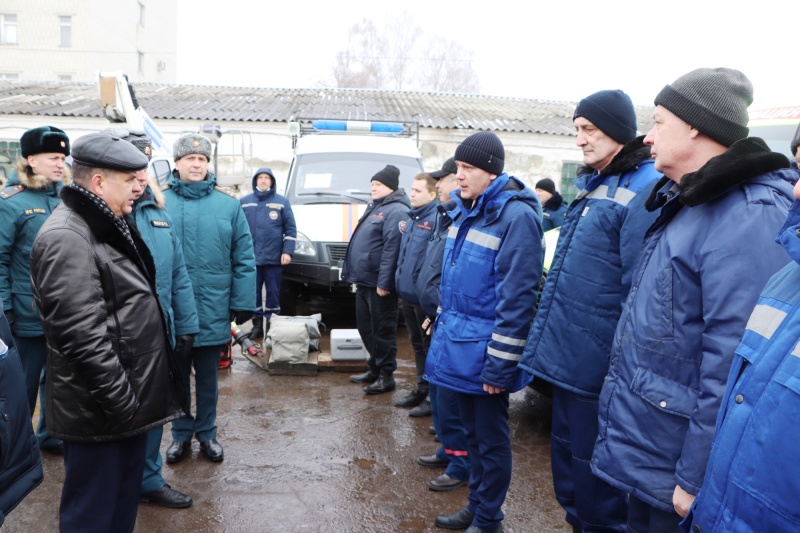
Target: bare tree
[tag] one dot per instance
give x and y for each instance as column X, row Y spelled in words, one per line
column 399, row 56
column 403, row 45
column 361, row 64
column 447, row 67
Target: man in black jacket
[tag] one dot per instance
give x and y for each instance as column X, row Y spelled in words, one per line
column 110, row 373
column 370, row 265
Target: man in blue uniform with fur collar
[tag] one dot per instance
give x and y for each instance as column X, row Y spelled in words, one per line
column 704, row 261
column 574, row 326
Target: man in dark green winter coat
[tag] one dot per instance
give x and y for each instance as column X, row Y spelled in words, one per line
column 219, row 257
column 29, row 197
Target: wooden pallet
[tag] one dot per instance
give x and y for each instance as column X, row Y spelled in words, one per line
column 282, row 368
column 326, row 364
column 317, row 362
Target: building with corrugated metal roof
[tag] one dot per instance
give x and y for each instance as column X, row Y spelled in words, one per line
column 538, row 135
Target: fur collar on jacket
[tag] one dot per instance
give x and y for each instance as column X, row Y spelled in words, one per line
column 107, row 232
column 156, row 194
column 554, row 202
column 631, row 154
column 744, row 160
column 36, row 181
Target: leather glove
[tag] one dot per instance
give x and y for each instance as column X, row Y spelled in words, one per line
column 240, row 317
column 11, row 318
column 183, row 345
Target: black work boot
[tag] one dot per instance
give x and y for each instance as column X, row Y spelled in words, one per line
column 413, row 399
column 258, row 329
column 367, row 377
column 384, row 384
column 423, row 409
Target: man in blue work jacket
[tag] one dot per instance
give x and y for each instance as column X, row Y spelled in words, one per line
column 487, row 296
column 274, row 233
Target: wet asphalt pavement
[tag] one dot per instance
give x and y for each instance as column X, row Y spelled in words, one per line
column 315, row 454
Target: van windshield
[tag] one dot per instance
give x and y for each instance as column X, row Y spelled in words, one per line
column 343, row 177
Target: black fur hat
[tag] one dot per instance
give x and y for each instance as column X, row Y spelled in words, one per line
column 44, row 139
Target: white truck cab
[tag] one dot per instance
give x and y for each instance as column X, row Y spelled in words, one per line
column 776, row 125
column 329, row 188
column 160, row 168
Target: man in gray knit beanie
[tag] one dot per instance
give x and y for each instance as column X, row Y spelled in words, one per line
column 697, row 117
column 712, row 100
column 723, row 198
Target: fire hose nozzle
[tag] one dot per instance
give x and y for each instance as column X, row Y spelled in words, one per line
column 241, row 338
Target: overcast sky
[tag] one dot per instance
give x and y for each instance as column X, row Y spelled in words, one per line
column 552, row 50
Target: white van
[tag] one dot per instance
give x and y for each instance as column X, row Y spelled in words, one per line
column 329, row 188
column 160, row 168
column 777, row 126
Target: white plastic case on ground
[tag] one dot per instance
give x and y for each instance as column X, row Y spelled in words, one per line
column 346, row 345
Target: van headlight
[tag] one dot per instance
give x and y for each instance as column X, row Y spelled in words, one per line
column 303, row 246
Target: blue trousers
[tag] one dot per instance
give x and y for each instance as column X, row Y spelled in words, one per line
column 489, row 446
column 101, row 486
column 203, row 425
column 644, row 518
column 268, row 276
column 450, row 430
column 151, row 478
column 376, row 319
column 33, row 355
column 591, row 504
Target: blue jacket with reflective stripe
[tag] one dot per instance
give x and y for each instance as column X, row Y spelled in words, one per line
column 703, row 264
column 589, row 278
column 417, row 232
column 488, row 291
column 752, row 482
column 271, row 221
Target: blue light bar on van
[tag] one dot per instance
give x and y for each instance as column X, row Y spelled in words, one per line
column 357, row 125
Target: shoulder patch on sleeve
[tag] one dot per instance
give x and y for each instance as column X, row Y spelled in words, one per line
column 223, row 191
column 8, row 192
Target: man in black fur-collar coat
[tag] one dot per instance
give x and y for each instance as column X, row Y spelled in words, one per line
column 110, row 374
column 704, row 262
